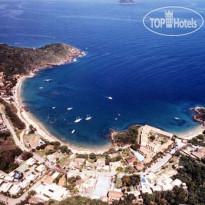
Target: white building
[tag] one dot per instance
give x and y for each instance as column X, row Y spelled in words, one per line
column 15, row 189
column 52, row 191
column 41, row 168
column 102, row 187
column 31, row 161
column 5, row 187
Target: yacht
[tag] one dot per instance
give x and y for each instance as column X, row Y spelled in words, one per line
column 53, row 108
column 176, row 118
column 78, row 119
column 69, row 108
column 72, row 131
column 110, row 98
column 40, row 88
column 47, row 80
column 88, row 117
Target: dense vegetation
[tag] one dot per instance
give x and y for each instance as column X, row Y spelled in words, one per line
column 128, row 137
column 175, row 197
column 14, row 60
column 11, row 114
column 198, row 140
column 193, row 174
column 8, row 152
column 132, row 180
column 5, row 134
column 78, row 200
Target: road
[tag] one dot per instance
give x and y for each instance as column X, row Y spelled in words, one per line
column 158, row 164
column 11, row 129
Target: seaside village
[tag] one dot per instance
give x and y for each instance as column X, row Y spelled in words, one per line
column 142, row 159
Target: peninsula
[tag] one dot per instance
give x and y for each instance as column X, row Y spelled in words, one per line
column 16, row 60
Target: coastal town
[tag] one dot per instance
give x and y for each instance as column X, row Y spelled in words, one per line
column 141, row 160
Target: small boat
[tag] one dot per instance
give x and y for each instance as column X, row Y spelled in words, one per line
column 72, row 131
column 69, row 108
column 47, row 80
column 176, row 118
column 116, row 118
column 88, row 117
column 119, row 114
column 110, row 98
column 78, row 119
column 40, row 88
column 53, row 108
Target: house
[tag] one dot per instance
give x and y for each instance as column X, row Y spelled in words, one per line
column 113, row 155
column 48, row 179
column 139, row 166
column 31, row 161
column 5, row 187
column 131, row 160
column 55, row 156
column 15, row 189
column 99, row 164
column 62, row 181
column 115, row 195
column 77, row 163
column 35, row 200
column 41, row 168
column 199, row 153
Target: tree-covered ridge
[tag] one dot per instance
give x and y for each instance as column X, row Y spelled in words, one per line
column 15, row 60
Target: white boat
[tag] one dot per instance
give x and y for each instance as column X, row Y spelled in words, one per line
column 176, row 118
column 88, row 117
column 116, row 118
column 40, row 88
column 53, row 108
column 119, row 114
column 72, row 131
column 48, row 80
column 110, row 98
column 69, row 108
column 78, row 119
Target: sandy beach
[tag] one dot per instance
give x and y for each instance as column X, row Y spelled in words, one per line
column 192, row 133
column 29, row 119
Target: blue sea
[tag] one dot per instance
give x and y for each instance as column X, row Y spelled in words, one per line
column 151, row 78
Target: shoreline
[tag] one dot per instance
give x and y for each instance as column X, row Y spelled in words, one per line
column 29, row 119
column 191, row 133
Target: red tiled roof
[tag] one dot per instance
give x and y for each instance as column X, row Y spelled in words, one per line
column 115, row 194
